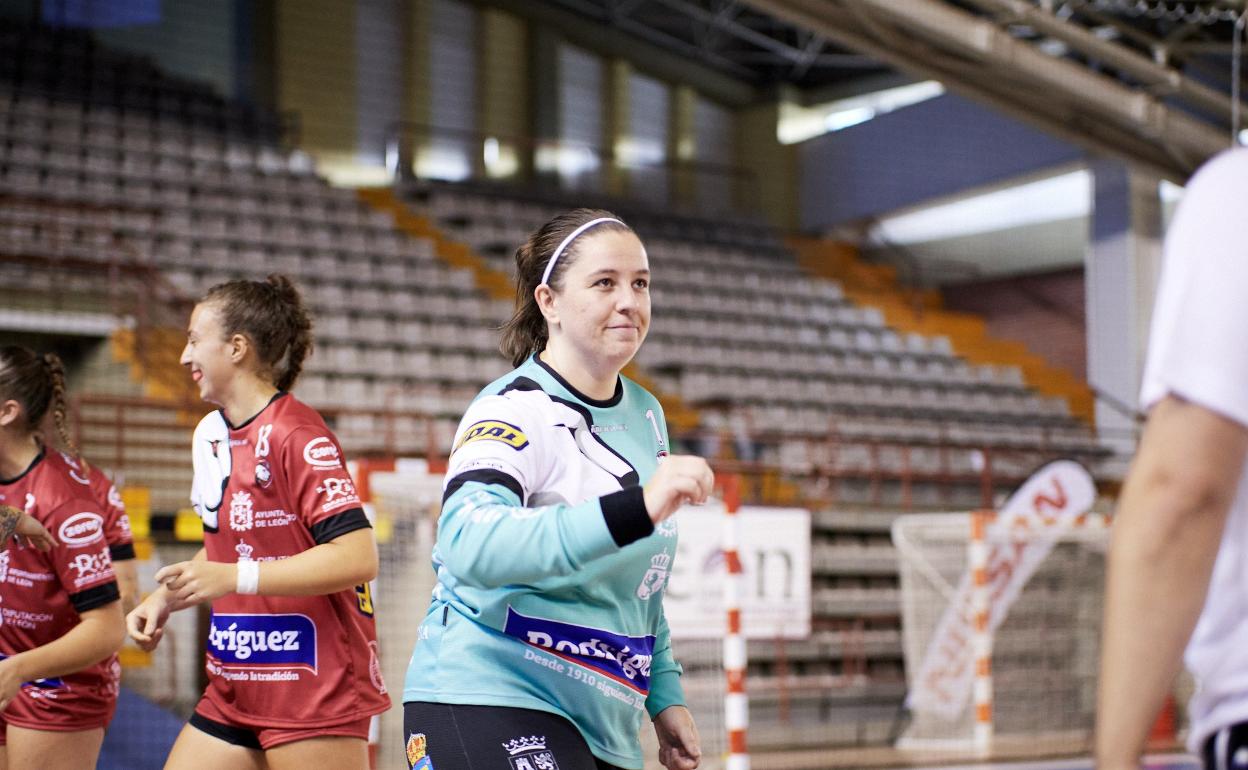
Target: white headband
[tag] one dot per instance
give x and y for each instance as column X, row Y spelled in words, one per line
column 550, row 266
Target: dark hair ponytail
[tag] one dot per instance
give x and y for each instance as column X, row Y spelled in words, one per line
column 525, row 333
column 273, row 317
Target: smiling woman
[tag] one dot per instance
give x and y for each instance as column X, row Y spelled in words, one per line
column 547, row 624
column 288, row 553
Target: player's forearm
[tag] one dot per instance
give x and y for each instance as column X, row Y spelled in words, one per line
column 168, row 596
column 9, row 518
column 98, row 635
column 127, row 583
column 344, row 562
column 486, row 537
column 1165, row 541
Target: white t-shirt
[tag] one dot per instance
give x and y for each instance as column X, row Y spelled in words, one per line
column 1198, row 350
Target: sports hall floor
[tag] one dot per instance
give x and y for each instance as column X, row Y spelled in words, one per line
column 1159, row 762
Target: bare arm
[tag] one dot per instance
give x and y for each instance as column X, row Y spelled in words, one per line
column 98, row 634
column 344, row 562
column 146, row 622
column 1165, row 539
column 26, row 528
column 128, row 583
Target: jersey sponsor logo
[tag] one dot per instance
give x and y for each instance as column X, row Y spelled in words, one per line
column 600, row 429
column 529, row 752
column 263, row 641
column 493, row 430
column 81, row 529
column 23, row 619
column 123, row 523
column 242, row 517
column 625, row 659
column 652, row 582
column 320, row 452
column 245, row 551
column 20, row 577
column 417, row 758
column 114, row 497
column 374, row 668
column 338, row 493
column 364, row 598
column 90, row 567
column 274, row 518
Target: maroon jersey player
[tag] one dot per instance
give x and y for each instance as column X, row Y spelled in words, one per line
column 116, row 525
column 62, row 622
column 288, row 553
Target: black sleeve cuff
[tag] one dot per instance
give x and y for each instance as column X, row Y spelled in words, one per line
column 122, row 552
column 625, row 512
column 98, row 596
column 338, row 525
column 483, row 476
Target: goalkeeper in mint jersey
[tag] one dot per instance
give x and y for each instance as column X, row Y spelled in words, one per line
column 545, row 644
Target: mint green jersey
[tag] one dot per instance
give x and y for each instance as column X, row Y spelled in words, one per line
column 550, row 575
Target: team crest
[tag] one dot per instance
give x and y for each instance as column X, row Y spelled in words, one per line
column 241, row 515
column 493, row 430
column 417, row 759
column 264, row 476
column 652, row 582
column 530, row 754
column 244, row 550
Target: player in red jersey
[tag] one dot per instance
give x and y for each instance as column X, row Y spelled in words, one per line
column 116, row 524
column 116, row 532
column 62, row 622
column 288, row 553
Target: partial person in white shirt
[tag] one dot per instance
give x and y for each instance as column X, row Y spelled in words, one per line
column 1178, row 562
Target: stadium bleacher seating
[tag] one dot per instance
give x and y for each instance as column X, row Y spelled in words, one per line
column 103, row 158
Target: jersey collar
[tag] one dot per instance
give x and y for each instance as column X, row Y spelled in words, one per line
column 252, row 418
column 601, row 403
column 38, row 458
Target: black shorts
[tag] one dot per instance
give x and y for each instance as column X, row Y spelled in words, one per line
column 441, row 736
column 238, row 736
column 1227, row 749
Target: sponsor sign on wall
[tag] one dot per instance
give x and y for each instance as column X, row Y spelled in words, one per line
column 774, row 544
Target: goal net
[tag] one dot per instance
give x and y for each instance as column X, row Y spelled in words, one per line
column 406, row 504
column 1001, row 620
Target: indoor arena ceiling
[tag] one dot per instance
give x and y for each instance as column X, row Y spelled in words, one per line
column 1146, row 80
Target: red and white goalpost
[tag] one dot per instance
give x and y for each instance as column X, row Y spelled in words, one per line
column 1001, row 617
column 711, row 606
column 736, row 702
column 743, row 572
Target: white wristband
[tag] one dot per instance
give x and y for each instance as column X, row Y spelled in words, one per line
column 248, row 577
